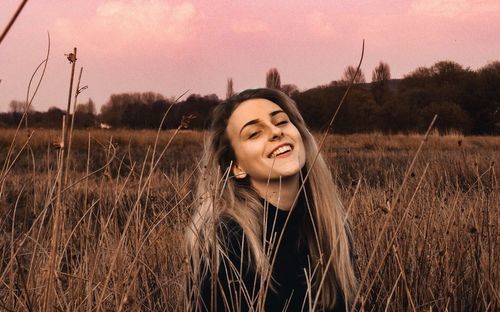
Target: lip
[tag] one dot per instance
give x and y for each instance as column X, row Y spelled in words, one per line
column 277, row 147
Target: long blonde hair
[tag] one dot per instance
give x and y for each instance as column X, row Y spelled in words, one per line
column 219, row 195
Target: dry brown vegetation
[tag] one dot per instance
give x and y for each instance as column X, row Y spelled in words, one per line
column 121, row 220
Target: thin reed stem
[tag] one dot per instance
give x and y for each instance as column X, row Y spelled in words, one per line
column 12, row 20
column 51, row 290
column 68, row 156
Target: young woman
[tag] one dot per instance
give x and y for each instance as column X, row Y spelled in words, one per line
column 269, row 231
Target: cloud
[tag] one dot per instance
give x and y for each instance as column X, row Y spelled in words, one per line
column 128, row 24
column 246, row 25
column 319, row 24
column 439, row 7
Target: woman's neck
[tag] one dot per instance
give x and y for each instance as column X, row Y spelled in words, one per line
column 280, row 193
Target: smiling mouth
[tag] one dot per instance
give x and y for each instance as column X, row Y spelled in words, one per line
column 281, row 150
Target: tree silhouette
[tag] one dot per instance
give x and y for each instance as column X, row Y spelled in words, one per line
column 86, row 108
column 16, row 106
column 53, row 117
column 131, row 110
column 486, row 105
column 19, row 107
column 273, row 80
column 229, row 88
column 350, row 75
column 290, row 89
column 198, row 107
column 381, row 73
column 447, row 71
column 380, row 82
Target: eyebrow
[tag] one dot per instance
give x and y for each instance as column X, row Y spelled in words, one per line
column 255, row 121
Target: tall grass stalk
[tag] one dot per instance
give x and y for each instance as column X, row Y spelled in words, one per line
column 57, row 218
column 7, row 164
column 77, row 92
column 13, row 20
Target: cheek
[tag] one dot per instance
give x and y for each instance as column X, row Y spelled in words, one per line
column 249, row 156
column 245, row 154
column 302, row 154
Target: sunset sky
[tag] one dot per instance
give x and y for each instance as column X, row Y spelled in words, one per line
column 170, row 46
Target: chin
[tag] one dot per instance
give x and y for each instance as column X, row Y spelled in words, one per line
column 288, row 169
column 286, row 173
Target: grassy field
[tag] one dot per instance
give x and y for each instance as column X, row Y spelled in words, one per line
column 109, row 235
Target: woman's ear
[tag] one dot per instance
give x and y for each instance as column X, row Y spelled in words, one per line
column 238, row 172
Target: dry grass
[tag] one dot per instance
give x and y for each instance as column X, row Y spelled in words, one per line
column 122, row 227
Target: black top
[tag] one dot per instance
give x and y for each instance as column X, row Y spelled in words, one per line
column 237, row 284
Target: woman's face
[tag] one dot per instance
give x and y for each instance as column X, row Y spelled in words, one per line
column 266, row 143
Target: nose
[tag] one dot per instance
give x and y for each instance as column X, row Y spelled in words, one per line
column 275, row 132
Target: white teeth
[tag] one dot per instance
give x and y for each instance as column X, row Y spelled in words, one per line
column 281, row 150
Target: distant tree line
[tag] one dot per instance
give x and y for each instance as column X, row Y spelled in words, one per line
column 146, row 110
column 85, row 116
column 465, row 100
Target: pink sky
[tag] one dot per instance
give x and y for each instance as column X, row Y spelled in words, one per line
column 171, row 46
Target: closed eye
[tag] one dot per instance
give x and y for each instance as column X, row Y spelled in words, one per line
column 284, row 122
column 253, row 134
